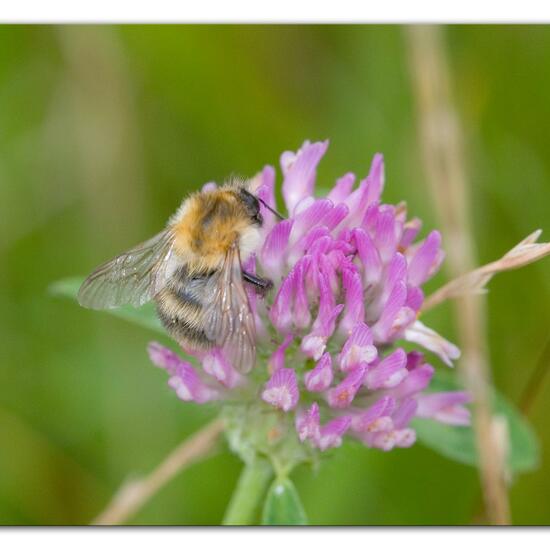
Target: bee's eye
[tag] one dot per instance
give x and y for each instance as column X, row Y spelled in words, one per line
column 252, row 206
column 258, row 218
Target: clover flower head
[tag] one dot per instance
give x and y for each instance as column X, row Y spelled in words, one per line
column 348, row 272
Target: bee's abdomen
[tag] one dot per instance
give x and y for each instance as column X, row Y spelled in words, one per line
column 181, row 310
column 187, row 334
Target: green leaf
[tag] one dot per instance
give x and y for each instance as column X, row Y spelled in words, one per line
column 144, row 316
column 282, row 505
column 458, row 442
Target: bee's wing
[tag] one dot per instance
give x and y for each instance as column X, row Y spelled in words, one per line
column 133, row 277
column 228, row 320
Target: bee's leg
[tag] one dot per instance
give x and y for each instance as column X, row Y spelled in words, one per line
column 263, row 286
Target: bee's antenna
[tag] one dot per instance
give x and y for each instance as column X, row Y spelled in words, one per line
column 280, row 216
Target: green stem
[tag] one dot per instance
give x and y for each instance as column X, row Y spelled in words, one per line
column 250, row 490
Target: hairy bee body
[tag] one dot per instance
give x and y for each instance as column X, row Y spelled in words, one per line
column 205, row 227
column 209, row 223
column 193, row 272
column 180, row 307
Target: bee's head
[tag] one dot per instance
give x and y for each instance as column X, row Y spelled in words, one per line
column 251, row 205
column 246, row 192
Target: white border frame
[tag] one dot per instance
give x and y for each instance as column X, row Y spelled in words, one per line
column 279, row 11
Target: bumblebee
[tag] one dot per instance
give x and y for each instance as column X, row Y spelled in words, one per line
column 193, row 271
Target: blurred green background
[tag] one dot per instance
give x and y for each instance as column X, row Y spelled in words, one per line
column 103, row 130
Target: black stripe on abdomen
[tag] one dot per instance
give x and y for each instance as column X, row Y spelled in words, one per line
column 183, row 331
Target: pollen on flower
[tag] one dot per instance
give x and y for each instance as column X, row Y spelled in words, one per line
column 343, row 397
column 348, row 272
column 382, row 424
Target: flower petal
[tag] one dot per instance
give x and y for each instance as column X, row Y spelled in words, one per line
column 376, row 418
column 309, row 218
column 369, row 256
column 277, row 359
column 281, row 390
column 333, row 218
column 275, row 247
column 375, row 178
column 307, row 423
column 385, row 234
column 300, row 170
column 446, row 407
column 354, row 312
column 389, row 372
column 428, row 338
column 164, row 358
column 314, row 344
column 184, row 378
column 358, row 348
column 424, row 262
column 320, row 378
column 382, row 330
column 342, row 395
column 215, row 364
column 266, row 192
column 386, row 441
column 404, row 413
column 302, row 314
column 332, row 432
column 410, row 231
column 342, row 189
column 416, row 381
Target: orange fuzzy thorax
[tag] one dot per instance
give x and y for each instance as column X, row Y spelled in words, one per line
column 206, row 226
